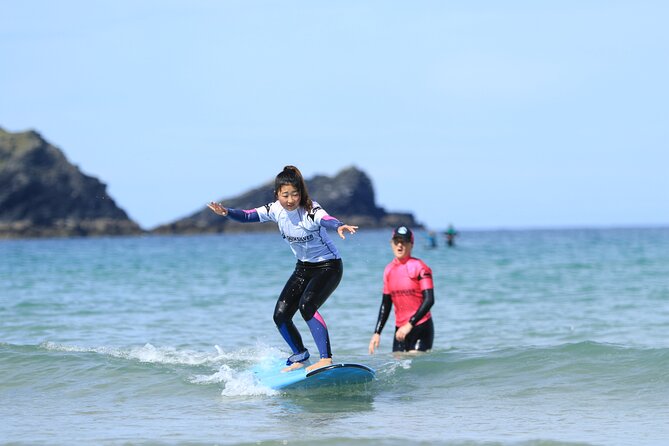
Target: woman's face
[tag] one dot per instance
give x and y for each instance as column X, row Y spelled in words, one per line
column 401, row 249
column 289, row 197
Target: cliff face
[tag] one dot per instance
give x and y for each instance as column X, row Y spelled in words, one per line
column 349, row 196
column 43, row 195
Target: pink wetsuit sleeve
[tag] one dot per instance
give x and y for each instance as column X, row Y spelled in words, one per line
column 386, row 285
column 425, row 277
column 329, row 222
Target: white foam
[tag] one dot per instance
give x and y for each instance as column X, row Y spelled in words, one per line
column 242, row 382
column 148, row 353
column 405, row 364
column 390, row 367
column 237, row 382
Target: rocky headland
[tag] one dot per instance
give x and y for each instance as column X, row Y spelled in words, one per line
column 349, row 196
column 43, row 195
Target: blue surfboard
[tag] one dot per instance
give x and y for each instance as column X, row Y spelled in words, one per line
column 331, row 375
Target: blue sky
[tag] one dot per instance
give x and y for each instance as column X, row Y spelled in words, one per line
column 484, row 114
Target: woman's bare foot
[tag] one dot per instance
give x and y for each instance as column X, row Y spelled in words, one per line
column 293, row 366
column 323, row 362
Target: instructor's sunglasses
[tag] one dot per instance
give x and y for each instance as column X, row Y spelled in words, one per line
column 397, row 241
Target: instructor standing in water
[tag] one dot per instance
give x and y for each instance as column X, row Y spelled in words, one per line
column 302, row 223
column 407, row 283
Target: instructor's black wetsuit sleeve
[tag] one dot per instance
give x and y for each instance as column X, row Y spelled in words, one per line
column 384, row 312
column 428, row 301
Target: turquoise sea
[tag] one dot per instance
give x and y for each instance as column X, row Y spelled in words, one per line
column 543, row 337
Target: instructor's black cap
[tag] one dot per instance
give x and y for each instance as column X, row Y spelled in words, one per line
column 403, row 233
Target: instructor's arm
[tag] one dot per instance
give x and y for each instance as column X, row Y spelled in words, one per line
column 384, row 312
column 374, row 343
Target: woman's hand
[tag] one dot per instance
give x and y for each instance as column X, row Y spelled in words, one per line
column 342, row 228
column 374, row 343
column 403, row 331
column 218, row 208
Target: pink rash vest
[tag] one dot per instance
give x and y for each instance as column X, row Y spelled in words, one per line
column 405, row 281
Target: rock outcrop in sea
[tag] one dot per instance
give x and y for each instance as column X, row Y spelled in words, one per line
column 348, row 195
column 43, row 195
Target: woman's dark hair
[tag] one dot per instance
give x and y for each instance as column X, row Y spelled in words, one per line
column 291, row 175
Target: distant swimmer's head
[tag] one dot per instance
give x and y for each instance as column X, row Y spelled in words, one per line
column 291, row 190
column 402, row 234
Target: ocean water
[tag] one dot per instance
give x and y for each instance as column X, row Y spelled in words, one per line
column 556, row 337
